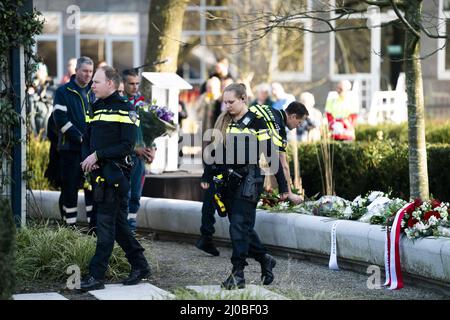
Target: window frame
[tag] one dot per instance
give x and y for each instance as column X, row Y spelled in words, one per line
column 442, row 72
column 203, row 33
column 297, row 76
column 58, row 37
column 109, row 39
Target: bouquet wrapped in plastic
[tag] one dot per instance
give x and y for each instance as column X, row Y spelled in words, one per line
column 155, row 122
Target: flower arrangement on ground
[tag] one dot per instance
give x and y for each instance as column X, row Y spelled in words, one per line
column 424, row 218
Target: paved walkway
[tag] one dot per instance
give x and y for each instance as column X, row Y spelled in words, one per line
column 179, row 265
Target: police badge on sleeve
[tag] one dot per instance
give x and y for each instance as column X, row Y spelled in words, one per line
column 133, row 116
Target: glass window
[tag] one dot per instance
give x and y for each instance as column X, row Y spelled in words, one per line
column 446, row 4
column 447, row 48
column 191, row 21
column 93, row 23
column 352, row 48
column 93, row 48
column 217, row 20
column 51, row 23
column 123, row 24
column 122, row 54
column 47, row 51
column 290, row 47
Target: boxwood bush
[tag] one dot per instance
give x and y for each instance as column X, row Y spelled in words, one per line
column 360, row 167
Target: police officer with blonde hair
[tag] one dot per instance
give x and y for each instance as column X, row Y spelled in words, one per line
column 107, row 148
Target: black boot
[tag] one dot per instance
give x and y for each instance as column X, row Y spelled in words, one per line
column 267, row 264
column 136, row 276
column 90, row 283
column 235, row 280
column 207, row 245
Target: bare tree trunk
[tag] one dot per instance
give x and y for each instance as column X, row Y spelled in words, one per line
column 418, row 169
column 164, row 36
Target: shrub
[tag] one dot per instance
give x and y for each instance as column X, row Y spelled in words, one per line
column 44, row 253
column 37, row 161
column 379, row 165
column 7, row 247
column 435, row 132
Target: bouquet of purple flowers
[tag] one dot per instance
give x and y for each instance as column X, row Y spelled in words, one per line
column 155, row 122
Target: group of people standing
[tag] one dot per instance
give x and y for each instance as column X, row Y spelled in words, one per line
column 95, row 124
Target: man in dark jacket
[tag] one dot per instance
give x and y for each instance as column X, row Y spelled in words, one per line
column 107, row 147
column 70, row 106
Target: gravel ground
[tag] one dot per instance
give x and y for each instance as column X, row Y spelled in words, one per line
column 176, row 265
column 179, row 264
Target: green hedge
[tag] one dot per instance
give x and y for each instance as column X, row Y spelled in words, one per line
column 435, row 132
column 7, row 248
column 379, row 165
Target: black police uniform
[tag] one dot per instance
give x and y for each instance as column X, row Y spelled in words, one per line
column 246, row 139
column 111, row 133
column 276, row 123
column 70, row 106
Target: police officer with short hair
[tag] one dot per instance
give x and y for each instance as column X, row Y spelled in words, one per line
column 107, row 146
column 239, row 181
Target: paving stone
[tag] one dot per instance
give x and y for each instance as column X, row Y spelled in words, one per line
column 39, row 296
column 250, row 291
column 142, row 291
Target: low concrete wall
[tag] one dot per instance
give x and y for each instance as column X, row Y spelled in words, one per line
column 427, row 258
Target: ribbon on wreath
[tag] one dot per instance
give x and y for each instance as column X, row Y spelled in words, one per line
column 394, row 278
column 332, row 264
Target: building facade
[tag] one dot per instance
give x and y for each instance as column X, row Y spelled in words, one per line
column 116, row 32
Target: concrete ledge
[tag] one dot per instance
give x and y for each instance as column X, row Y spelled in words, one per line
column 427, row 258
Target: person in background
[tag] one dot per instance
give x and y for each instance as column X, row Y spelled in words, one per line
column 342, row 111
column 262, row 95
column 309, row 130
column 280, row 97
column 71, row 64
column 71, row 104
column 142, row 154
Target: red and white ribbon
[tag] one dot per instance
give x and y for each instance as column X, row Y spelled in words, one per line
column 394, row 278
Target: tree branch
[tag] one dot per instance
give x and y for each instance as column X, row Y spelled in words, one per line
column 433, row 36
column 402, row 18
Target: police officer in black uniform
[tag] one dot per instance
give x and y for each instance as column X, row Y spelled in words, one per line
column 239, row 182
column 107, row 146
column 277, row 122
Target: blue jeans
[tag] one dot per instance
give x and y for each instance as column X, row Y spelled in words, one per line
column 137, row 183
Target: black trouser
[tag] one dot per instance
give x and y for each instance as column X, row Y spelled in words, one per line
column 112, row 226
column 208, row 210
column 71, row 181
column 244, row 239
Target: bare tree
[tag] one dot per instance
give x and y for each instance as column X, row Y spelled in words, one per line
column 164, row 34
column 324, row 18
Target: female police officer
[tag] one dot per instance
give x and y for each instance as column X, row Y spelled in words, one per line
column 237, row 165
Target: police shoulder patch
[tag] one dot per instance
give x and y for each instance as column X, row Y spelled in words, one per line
column 133, row 115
